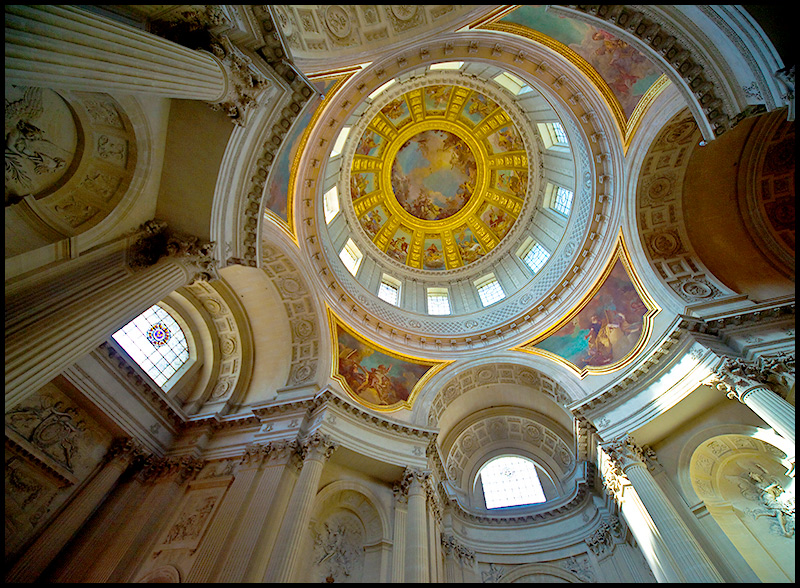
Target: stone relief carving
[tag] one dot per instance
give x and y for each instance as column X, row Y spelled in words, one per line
column 339, row 548
column 773, row 500
column 300, row 309
column 493, row 575
column 495, row 373
column 603, row 539
column 191, row 521
column 41, row 140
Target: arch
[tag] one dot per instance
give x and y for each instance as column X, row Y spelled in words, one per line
column 362, row 501
column 348, row 530
column 561, row 387
column 540, row 572
column 161, row 575
column 745, row 488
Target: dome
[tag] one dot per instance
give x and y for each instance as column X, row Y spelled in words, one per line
column 450, row 202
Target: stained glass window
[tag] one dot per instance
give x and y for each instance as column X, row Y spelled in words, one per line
column 157, row 343
column 510, row 481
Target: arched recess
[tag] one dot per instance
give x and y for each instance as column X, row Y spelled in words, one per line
column 743, row 483
column 506, row 430
column 540, row 572
column 348, row 533
column 740, row 189
column 76, row 162
column 532, row 386
column 660, row 216
column 216, row 328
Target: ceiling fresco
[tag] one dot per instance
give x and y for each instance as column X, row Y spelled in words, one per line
column 607, row 328
column 625, row 76
column 439, row 177
column 376, row 377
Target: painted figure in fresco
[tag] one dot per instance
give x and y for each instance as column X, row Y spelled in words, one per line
column 508, row 140
column 379, row 385
column 433, row 257
column 471, row 250
column 358, row 186
column 367, row 144
column 481, row 105
column 498, row 221
column 437, row 94
column 394, row 109
column 372, row 222
column 398, row 249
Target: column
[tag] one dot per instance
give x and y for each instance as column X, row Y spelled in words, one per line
column 399, row 537
column 255, row 517
column 40, row 347
column 64, row 526
column 165, row 478
column 691, row 562
column 216, row 538
column 315, row 451
column 417, row 527
column 66, row 47
column 746, row 382
column 280, row 477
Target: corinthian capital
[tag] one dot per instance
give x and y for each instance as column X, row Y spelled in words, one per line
column 736, row 376
column 245, row 83
column 624, row 452
column 317, row 446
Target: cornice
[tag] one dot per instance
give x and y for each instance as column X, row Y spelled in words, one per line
column 543, row 513
column 591, row 124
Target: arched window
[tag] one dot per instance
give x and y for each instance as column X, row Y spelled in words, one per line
column 157, row 343
column 510, row 480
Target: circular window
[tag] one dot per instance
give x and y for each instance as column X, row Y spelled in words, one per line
column 510, row 480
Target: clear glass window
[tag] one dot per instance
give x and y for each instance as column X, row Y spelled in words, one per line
column 351, row 256
column 562, row 201
column 157, row 343
column 438, row 301
column 389, row 290
column 510, row 481
column 536, row 257
column 330, row 202
column 490, row 291
column 559, row 135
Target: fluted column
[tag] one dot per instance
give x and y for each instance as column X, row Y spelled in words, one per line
column 417, row 527
column 747, row 382
column 66, row 47
column 39, row 347
column 251, row 527
column 74, row 515
column 164, row 477
column 692, row 563
column 217, row 536
column 399, row 537
column 282, row 566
